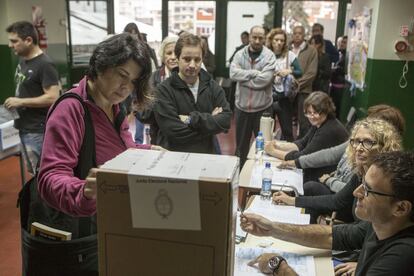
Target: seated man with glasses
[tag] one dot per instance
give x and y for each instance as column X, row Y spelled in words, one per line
column 368, row 137
column 326, row 131
column 385, row 235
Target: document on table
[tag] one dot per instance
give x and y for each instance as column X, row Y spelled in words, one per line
column 303, row 265
column 292, row 178
column 279, row 213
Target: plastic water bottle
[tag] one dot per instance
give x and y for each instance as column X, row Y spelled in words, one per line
column 147, row 136
column 267, row 175
column 259, row 142
column 259, row 146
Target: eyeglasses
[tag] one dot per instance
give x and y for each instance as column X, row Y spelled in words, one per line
column 368, row 191
column 312, row 114
column 366, row 143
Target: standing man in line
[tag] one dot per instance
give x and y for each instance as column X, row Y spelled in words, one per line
column 252, row 68
column 37, row 88
column 308, row 60
column 191, row 107
column 317, row 29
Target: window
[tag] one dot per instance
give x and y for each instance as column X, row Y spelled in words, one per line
column 306, row 13
column 196, row 17
column 88, row 27
column 146, row 14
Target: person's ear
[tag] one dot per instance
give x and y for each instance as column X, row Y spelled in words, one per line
column 403, row 208
column 28, row 40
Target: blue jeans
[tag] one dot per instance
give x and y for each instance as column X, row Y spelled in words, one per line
column 139, row 132
column 31, row 148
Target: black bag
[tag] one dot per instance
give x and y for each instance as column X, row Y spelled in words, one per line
column 78, row 256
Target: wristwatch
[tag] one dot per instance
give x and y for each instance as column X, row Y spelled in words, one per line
column 274, row 263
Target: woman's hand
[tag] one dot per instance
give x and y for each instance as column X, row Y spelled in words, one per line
column 155, row 147
column 282, row 198
column 284, row 72
column 323, row 178
column 89, row 190
column 287, row 164
column 345, row 269
column 269, row 147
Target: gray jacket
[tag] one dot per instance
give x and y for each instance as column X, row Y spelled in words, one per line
column 322, row 158
column 254, row 79
column 342, row 176
column 329, row 157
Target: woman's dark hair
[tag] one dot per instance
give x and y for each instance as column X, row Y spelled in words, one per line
column 117, row 50
column 321, row 103
column 24, row 29
column 187, row 40
column 390, row 114
column 132, row 28
column 271, row 36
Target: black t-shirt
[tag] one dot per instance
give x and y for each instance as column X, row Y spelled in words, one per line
column 31, row 77
column 392, row 256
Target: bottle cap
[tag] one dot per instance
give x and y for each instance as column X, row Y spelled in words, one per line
column 267, row 165
column 260, row 133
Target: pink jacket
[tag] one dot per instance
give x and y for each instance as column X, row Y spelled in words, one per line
column 62, row 142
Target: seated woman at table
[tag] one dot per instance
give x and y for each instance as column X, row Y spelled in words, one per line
column 326, row 131
column 369, row 137
column 333, row 183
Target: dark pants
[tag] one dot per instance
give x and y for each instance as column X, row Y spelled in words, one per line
column 304, row 124
column 285, row 114
column 336, row 95
column 246, row 124
column 314, row 188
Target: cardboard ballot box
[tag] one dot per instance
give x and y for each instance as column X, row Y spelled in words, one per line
column 9, row 136
column 167, row 213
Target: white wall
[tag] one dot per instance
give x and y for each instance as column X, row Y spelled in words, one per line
column 387, row 18
column 236, row 23
column 392, row 15
column 54, row 11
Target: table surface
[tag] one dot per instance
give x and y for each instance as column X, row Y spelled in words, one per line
column 322, row 257
column 9, row 152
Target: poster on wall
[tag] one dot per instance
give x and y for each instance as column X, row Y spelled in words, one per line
column 358, row 49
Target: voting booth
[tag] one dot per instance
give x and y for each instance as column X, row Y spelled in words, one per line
column 167, row 213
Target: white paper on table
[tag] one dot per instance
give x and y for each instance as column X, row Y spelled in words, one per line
column 303, row 265
column 160, row 203
column 279, row 213
column 281, row 178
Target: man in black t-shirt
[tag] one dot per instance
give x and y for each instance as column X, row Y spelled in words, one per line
column 385, row 201
column 37, row 88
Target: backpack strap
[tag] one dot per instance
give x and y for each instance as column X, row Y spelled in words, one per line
column 87, row 156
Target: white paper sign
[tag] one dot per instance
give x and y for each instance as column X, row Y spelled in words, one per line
column 160, row 203
column 9, row 136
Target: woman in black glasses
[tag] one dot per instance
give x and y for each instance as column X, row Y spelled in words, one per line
column 369, row 137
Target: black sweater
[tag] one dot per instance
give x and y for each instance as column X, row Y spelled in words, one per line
column 343, row 201
column 331, row 133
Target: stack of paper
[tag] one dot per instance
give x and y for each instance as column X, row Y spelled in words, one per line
column 279, row 213
column 292, row 178
column 303, row 265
